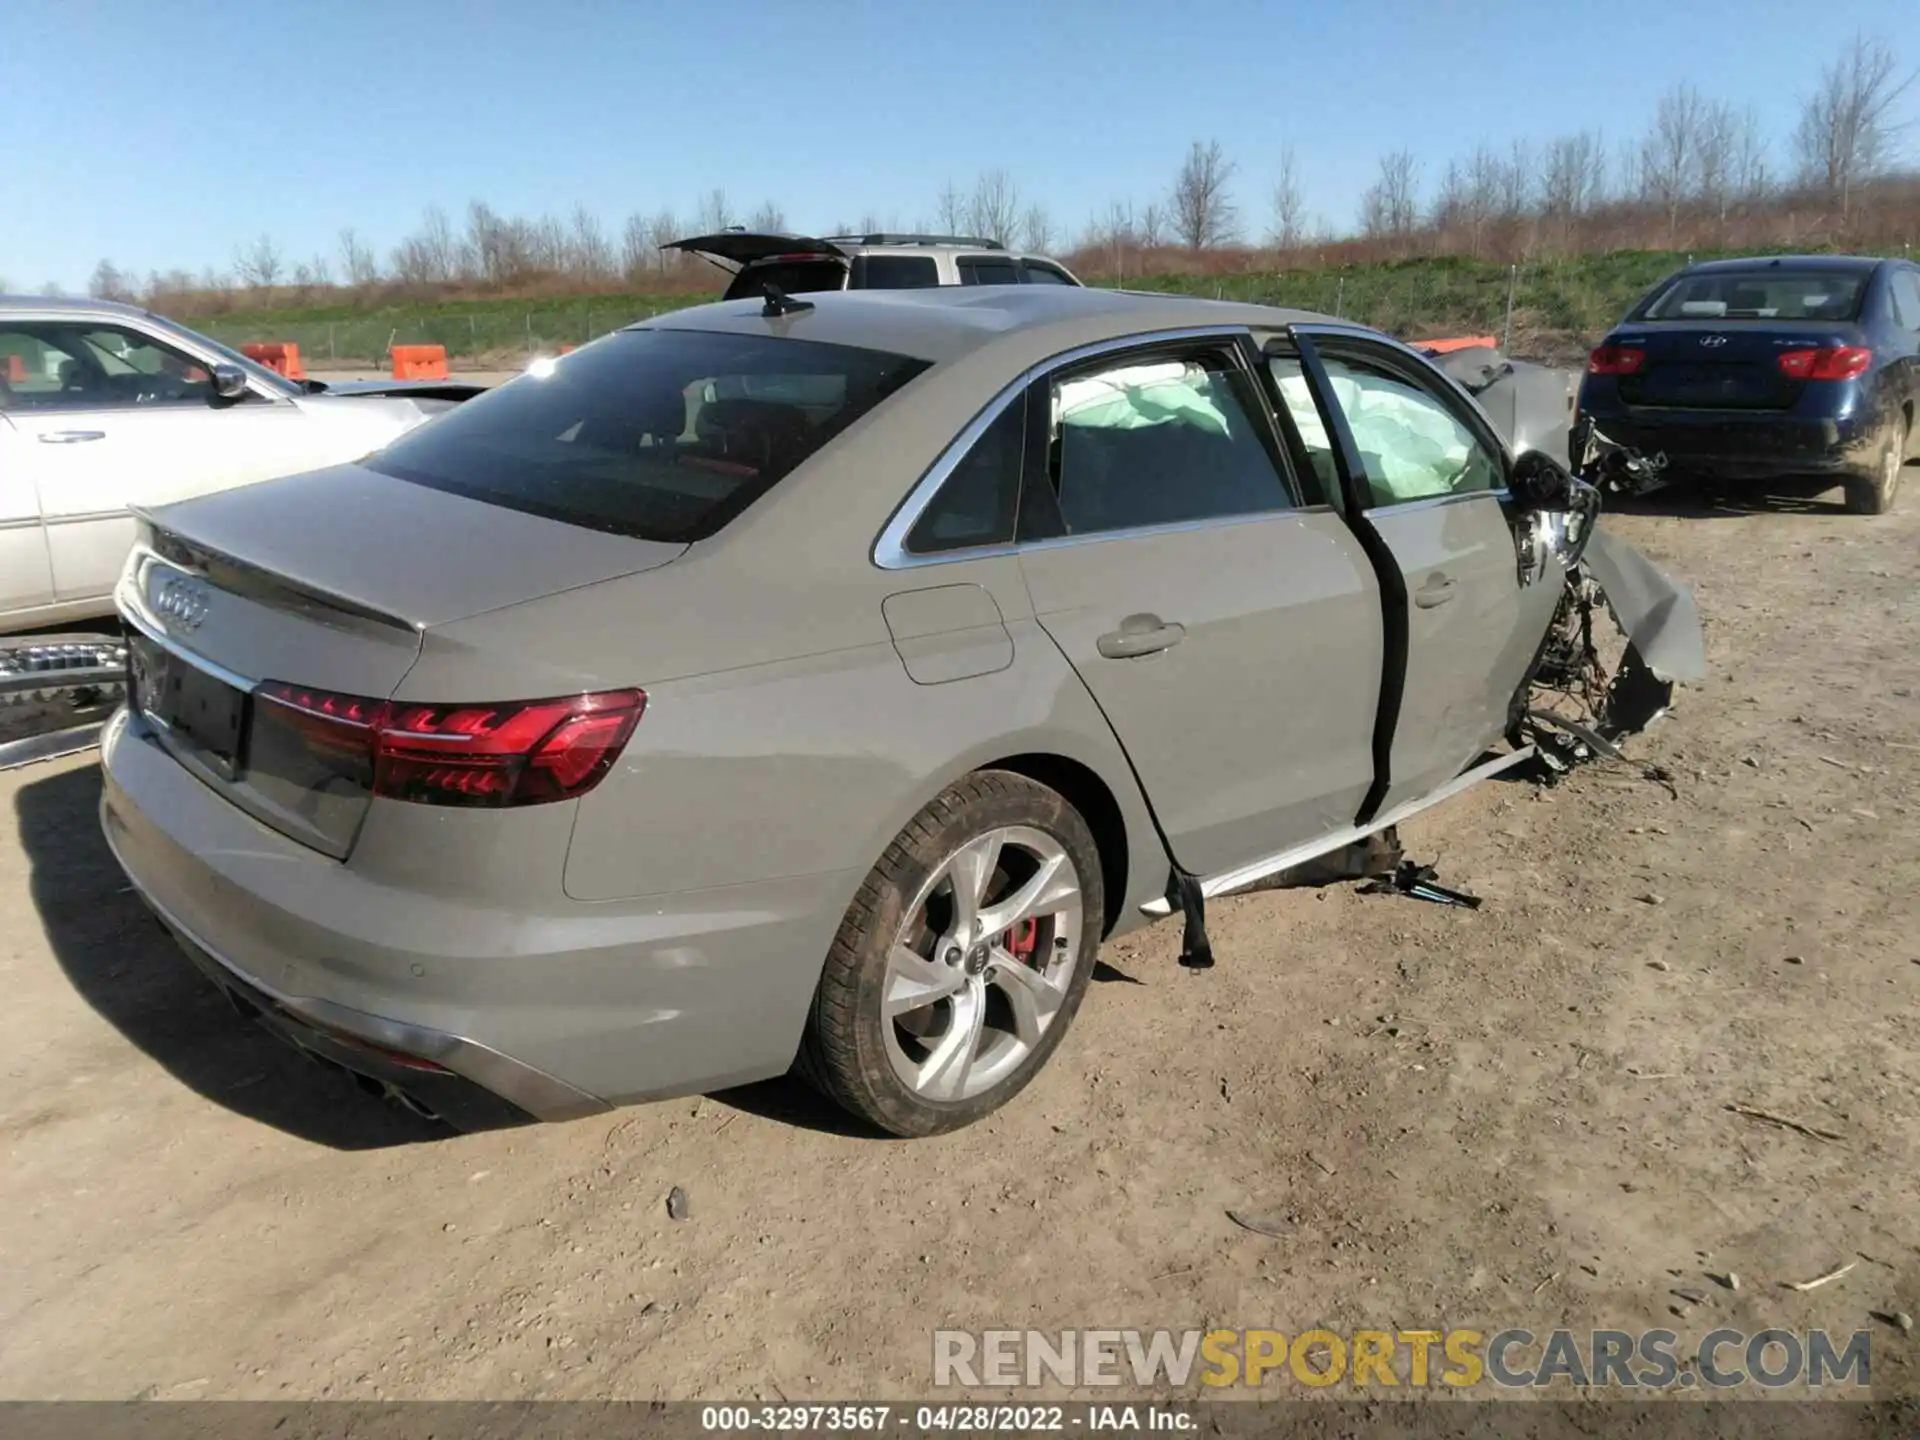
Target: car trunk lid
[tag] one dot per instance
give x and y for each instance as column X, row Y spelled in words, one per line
column 744, row 247
column 293, row 581
column 1719, row 365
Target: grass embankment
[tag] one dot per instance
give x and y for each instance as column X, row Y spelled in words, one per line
column 1559, row 308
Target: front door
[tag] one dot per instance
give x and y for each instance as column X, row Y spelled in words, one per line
column 111, row 417
column 26, row 582
column 1230, row 633
column 1430, row 480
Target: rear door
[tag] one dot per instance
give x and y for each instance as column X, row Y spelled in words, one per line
column 1230, row 632
column 1428, row 477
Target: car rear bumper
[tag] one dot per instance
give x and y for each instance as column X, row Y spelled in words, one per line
column 481, row 1018
column 1743, row 444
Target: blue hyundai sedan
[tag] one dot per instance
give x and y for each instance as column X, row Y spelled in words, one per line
column 1767, row 369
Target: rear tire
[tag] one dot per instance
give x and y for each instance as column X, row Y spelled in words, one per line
column 1874, row 494
column 962, row 960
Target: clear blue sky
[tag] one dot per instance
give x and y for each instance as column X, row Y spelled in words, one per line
column 161, row 135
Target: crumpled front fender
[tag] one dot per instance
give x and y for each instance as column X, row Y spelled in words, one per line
column 1656, row 612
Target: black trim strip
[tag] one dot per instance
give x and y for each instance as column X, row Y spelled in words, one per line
column 1393, row 583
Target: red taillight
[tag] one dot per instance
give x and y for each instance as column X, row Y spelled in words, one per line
column 1829, row 362
column 522, row 752
column 1616, row 360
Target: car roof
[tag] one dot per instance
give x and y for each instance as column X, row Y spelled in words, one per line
column 1027, row 323
column 80, row 304
column 1797, row 262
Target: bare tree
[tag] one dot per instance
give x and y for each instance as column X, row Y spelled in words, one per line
column 1719, row 141
column 1516, row 183
column 1037, row 229
column 51, row 289
column 951, row 209
column 1289, row 205
column 589, row 256
column 107, row 283
column 1573, row 175
column 768, row 219
column 714, row 214
column 636, row 247
column 662, row 231
column 356, row 258
column 258, row 264
column 1203, row 210
column 1751, row 177
column 1670, row 152
column 1847, row 129
column 1152, row 229
column 994, row 212
column 438, row 245
column 1391, row 205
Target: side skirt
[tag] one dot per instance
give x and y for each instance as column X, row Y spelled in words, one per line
column 1258, row 870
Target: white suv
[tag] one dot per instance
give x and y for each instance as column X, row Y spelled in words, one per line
column 795, row 264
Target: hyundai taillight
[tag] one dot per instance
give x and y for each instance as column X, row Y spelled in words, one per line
column 521, row 752
column 1827, row 362
column 1616, row 360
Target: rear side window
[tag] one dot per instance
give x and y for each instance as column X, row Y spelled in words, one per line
column 1905, row 294
column 895, row 272
column 789, row 277
column 658, row 434
column 1761, row 295
column 976, row 504
column 1038, row 274
column 1157, row 441
column 988, row 270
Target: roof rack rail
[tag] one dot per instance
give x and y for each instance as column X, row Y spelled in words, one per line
column 882, row 238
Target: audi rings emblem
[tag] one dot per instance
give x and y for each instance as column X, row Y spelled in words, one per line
column 182, row 603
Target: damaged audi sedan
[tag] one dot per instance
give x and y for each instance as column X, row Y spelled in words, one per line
column 817, row 683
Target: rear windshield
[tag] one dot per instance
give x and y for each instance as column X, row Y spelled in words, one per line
column 1761, row 295
column 658, row 434
column 789, row 277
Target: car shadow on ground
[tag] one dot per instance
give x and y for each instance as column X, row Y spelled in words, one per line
column 1693, row 502
column 129, row 970
column 123, row 964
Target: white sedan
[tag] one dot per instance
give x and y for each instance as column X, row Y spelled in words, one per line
column 106, row 406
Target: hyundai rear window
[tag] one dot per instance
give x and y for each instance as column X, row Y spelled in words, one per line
column 657, row 434
column 1761, row 295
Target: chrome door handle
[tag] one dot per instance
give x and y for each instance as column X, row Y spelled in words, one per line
column 1437, row 591
column 71, row 437
column 1140, row 635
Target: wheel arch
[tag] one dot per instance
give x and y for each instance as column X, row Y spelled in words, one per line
column 1081, row 786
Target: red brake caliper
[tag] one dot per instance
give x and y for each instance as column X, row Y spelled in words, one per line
column 1022, row 939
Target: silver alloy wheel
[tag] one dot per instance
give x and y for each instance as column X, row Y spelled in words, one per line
column 982, row 963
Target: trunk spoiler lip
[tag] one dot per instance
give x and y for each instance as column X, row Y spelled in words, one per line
column 159, row 530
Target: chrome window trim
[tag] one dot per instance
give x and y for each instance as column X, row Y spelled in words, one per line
column 1435, row 502
column 890, row 549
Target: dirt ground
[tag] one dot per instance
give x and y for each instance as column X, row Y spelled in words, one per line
column 1513, row 1116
